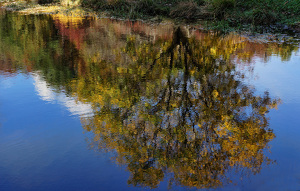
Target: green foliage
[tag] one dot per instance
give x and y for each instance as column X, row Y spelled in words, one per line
column 131, row 9
column 261, row 16
column 268, row 11
column 220, row 7
column 231, row 13
column 222, row 26
column 237, row 14
column 94, row 4
column 148, row 7
column 186, row 10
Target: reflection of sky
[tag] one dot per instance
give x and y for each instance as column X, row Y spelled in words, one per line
column 42, row 148
column 280, row 78
column 5, row 82
column 46, row 93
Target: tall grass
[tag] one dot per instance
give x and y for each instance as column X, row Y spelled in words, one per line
column 231, row 13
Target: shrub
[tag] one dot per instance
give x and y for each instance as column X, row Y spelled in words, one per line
column 151, row 8
column 220, row 7
column 261, row 17
column 94, row 4
column 187, row 10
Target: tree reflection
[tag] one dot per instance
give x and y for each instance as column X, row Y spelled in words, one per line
column 173, row 106
column 177, row 109
column 31, row 43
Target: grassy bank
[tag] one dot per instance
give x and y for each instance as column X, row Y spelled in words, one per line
column 224, row 14
column 255, row 15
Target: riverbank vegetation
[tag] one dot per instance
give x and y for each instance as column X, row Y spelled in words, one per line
column 262, row 15
column 224, row 14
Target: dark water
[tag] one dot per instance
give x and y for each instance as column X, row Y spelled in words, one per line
column 97, row 104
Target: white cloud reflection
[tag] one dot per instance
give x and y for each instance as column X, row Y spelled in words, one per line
column 48, row 94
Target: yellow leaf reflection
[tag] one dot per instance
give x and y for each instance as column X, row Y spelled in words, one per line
column 181, row 110
column 162, row 102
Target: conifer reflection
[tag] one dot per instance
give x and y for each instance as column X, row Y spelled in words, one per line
column 179, row 110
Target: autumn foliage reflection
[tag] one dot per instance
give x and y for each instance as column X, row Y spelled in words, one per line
column 176, row 108
column 164, row 103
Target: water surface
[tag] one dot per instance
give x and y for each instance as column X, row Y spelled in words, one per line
column 100, row 104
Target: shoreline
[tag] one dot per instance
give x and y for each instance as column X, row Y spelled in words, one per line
column 203, row 25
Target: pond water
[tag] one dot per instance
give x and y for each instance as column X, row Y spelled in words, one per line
column 100, row 104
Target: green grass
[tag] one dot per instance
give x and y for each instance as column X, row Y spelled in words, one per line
column 225, row 15
column 129, row 9
column 222, row 14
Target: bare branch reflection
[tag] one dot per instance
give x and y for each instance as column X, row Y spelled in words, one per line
column 180, row 111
